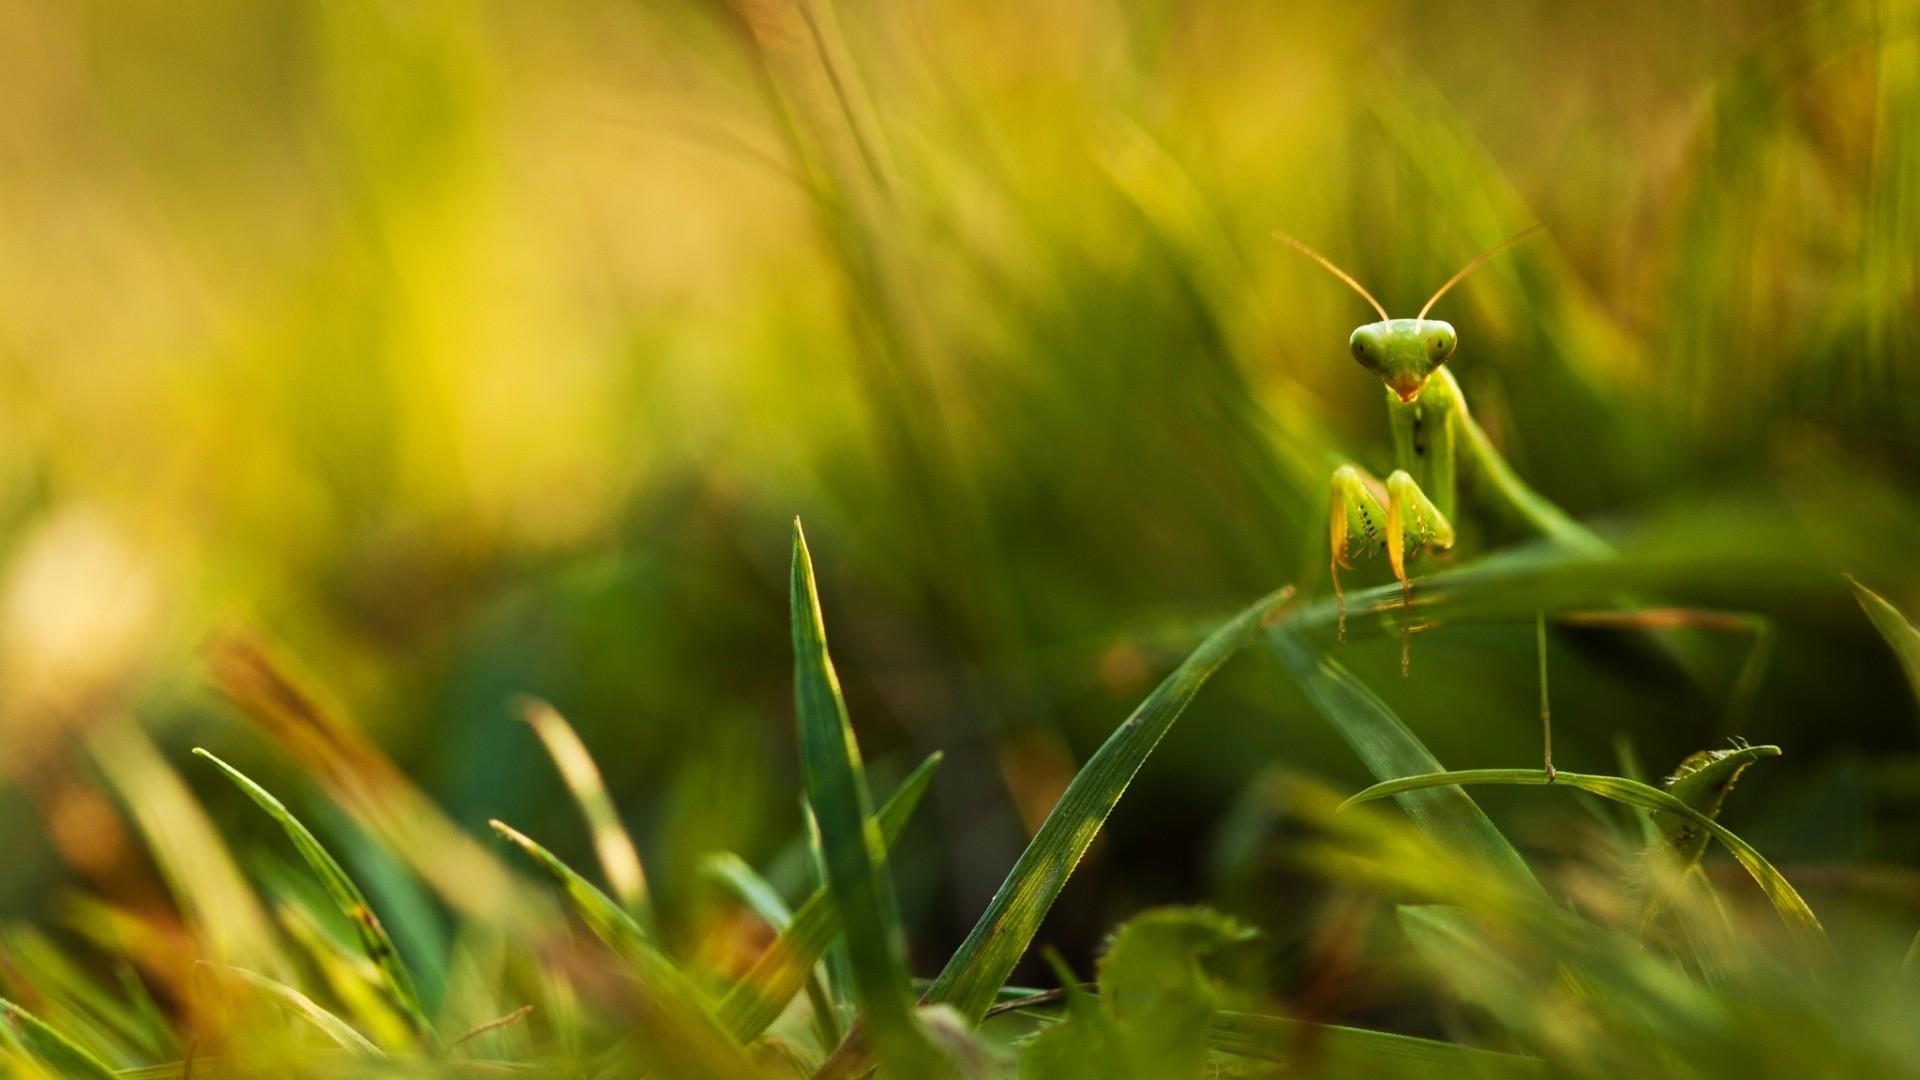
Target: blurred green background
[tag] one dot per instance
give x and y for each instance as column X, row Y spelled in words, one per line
column 469, row 349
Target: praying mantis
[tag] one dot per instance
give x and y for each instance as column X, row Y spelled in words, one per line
column 1435, row 440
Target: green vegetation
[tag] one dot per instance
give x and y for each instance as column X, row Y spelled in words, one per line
column 367, row 369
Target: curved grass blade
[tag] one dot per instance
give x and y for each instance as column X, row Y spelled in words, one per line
column 619, row 859
column 1332, row 1050
column 855, row 857
column 1786, row 900
column 757, row 999
column 1389, row 749
column 1902, row 636
column 34, row 1038
column 395, row 979
column 1006, row 928
column 675, row 1014
column 745, row 885
column 354, row 981
column 332, row 1026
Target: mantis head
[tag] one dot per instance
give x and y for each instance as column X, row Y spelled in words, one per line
column 1404, row 353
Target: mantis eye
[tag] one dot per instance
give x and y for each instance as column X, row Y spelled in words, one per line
column 1360, row 353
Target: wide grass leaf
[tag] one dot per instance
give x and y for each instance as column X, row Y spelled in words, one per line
column 394, row 977
column 1001, row 936
column 1786, row 900
column 757, row 999
column 854, row 855
column 1389, row 749
column 34, row 1038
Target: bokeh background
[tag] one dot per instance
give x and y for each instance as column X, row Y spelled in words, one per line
column 463, row 350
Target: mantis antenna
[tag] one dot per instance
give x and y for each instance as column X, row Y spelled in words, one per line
column 1478, row 261
column 1343, row 275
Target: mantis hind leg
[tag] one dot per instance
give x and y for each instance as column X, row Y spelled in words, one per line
column 1408, row 523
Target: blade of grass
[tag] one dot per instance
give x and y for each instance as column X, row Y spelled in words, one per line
column 835, row 965
column 619, row 859
column 332, row 1026
column 199, row 870
column 675, row 1013
column 744, row 884
column 1006, row 928
column 47, row 1046
column 757, row 999
column 1788, row 902
column 354, row 981
column 370, row 788
column 1332, row 1050
column 855, row 857
column 1389, row 749
column 396, row 981
column 1902, row 636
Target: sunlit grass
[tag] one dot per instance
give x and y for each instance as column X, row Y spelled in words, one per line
column 467, row 352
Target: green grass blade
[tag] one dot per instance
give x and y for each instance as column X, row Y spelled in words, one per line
column 676, row 1016
column 212, row 893
column 855, row 857
column 1332, row 1050
column 395, row 979
column 1389, row 749
column 835, row 965
column 744, row 884
column 619, row 859
column 37, row 1040
column 1786, row 900
column 332, row 1026
column 998, row 940
column 1902, row 636
column 757, row 999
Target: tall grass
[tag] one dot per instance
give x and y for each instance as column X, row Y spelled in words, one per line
column 470, row 351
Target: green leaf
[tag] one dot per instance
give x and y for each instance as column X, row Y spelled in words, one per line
column 675, row 1016
column 395, row 980
column 757, row 999
column 1086, row 1044
column 1902, row 636
column 619, row 859
column 1389, row 749
column 62, row 1055
column 1155, row 986
column 1794, row 910
column 855, row 856
column 335, row 1028
column 1004, row 931
column 1332, row 1050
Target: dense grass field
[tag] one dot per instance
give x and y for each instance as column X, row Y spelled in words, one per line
column 792, row 538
